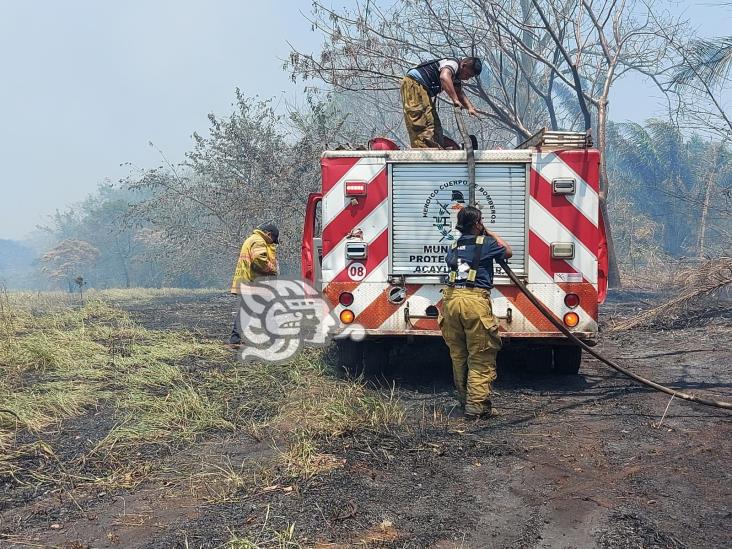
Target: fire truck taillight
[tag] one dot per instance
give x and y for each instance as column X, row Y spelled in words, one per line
column 347, row 316
column 355, row 188
column 571, row 320
column 571, row 300
column 346, row 299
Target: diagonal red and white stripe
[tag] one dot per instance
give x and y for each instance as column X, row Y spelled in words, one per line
column 551, row 218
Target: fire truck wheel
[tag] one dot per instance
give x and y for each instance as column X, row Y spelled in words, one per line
column 349, row 357
column 375, row 358
column 567, row 359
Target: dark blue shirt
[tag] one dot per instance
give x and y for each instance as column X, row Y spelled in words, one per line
column 428, row 74
column 466, row 252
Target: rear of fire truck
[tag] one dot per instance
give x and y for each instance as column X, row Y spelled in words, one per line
column 376, row 237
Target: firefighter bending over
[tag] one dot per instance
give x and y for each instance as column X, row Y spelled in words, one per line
column 420, row 88
column 257, row 258
column 467, row 322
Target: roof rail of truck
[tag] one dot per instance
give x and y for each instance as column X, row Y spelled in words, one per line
column 558, row 140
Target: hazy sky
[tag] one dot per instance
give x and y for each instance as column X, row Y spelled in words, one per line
column 86, row 84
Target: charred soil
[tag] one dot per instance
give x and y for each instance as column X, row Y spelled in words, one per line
column 571, row 461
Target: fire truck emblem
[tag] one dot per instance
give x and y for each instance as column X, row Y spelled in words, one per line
column 444, row 213
column 446, row 218
column 278, row 316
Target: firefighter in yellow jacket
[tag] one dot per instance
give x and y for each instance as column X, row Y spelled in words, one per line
column 257, row 258
column 467, row 322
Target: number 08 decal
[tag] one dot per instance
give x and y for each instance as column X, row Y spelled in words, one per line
column 357, row 271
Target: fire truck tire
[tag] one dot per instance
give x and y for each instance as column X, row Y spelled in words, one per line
column 349, row 357
column 375, row 358
column 567, row 359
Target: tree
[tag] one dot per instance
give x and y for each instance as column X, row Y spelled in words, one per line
column 698, row 82
column 254, row 166
column 680, row 185
column 550, row 63
column 102, row 219
column 224, row 188
column 67, row 260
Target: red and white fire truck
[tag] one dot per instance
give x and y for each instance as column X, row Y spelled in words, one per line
column 376, row 236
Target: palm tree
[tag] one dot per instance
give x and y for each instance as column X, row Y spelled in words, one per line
column 703, row 73
column 709, row 60
column 681, row 183
column 659, row 175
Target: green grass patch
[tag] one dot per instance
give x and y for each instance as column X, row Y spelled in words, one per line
column 60, row 361
column 63, row 362
column 320, row 407
column 179, row 416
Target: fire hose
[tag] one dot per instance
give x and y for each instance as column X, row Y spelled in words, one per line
column 552, row 317
column 577, row 341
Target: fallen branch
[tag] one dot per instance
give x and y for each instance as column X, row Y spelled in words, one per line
column 706, row 279
column 671, row 353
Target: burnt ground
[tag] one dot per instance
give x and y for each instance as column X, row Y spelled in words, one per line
column 575, row 462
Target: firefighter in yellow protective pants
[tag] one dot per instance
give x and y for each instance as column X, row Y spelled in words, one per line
column 467, row 322
column 257, row 258
column 419, row 91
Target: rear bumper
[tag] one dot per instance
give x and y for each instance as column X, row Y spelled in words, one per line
column 554, row 338
column 517, row 316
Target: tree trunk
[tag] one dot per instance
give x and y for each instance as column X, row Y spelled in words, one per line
column 710, row 178
column 613, row 278
column 126, row 273
column 123, row 256
column 703, row 222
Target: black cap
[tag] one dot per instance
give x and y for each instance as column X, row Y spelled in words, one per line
column 476, row 64
column 272, row 229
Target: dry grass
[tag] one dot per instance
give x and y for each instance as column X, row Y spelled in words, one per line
column 320, row 407
column 129, row 296
column 302, row 408
column 163, row 389
column 268, row 537
column 330, row 407
column 654, row 274
column 47, row 301
column 66, row 362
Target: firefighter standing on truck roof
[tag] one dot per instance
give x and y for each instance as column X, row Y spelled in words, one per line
column 257, row 258
column 420, row 88
column 467, row 322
